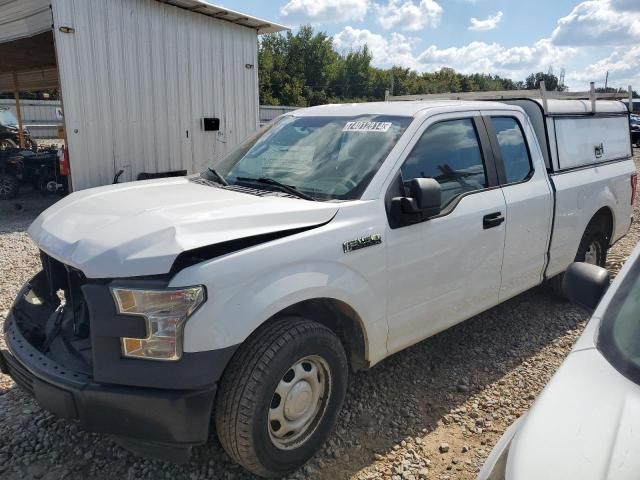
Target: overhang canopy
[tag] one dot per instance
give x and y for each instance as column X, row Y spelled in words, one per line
column 25, row 18
column 205, row 8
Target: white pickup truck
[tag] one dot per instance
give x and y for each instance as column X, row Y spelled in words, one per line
column 334, row 237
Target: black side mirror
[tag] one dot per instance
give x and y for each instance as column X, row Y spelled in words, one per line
column 422, row 203
column 585, row 284
column 425, row 197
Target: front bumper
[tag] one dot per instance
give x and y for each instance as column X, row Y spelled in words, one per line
column 176, row 417
column 165, row 405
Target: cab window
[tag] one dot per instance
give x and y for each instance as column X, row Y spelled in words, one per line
column 513, row 149
column 450, row 153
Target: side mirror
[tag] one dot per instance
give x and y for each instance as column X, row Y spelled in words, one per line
column 585, row 284
column 423, row 202
column 425, row 197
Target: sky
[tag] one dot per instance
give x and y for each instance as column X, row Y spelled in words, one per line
column 511, row 38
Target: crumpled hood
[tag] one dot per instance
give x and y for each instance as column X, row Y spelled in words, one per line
column 585, row 425
column 139, row 228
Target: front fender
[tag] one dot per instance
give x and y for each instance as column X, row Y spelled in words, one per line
column 233, row 313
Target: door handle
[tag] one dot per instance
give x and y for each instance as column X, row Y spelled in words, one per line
column 492, row 220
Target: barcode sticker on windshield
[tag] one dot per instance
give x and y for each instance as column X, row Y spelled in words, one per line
column 366, row 127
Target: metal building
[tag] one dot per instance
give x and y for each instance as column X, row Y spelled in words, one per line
column 148, row 86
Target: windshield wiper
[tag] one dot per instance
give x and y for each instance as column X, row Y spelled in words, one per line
column 218, row 176
column 286, row 188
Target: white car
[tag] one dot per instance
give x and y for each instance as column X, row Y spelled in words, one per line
column 586, row 422
column 331, row 239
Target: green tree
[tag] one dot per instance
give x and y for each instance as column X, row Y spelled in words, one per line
column 551, row 82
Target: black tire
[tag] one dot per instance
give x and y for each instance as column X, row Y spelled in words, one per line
column 248, row 391
column 593, row 248
column 594, row 237
column 9, row 187
column 7, row 144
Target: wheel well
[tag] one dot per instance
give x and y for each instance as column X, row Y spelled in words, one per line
column 340, row 318
column 605, row 218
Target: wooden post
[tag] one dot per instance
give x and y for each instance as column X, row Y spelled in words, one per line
column 16, row 90
column 543, row 95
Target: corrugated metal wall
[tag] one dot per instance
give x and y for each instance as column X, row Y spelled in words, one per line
column 269, row 112
column 37, row 115
column 137, row 76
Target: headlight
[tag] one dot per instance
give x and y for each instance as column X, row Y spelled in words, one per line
column 165, row 312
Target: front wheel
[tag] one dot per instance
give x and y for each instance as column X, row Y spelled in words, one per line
column 280, row 396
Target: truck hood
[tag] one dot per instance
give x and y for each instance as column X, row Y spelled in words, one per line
column 585, row 424
column 139, row 228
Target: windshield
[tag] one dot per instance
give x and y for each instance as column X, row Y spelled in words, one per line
column 619, row 337
column 7, row 118
column 326, row 158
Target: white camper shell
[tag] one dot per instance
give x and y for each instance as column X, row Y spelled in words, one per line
column 565, row 124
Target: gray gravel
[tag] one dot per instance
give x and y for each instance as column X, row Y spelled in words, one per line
column 432, row 411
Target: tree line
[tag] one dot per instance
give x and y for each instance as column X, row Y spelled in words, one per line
column 304, row 69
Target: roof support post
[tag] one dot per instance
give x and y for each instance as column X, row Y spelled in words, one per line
column 630, row 99
column 592, row 96
column 16, row 90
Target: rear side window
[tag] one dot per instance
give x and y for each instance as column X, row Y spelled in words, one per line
column 515, row 155
column 450, row 153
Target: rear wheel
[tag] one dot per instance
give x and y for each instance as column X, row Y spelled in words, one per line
column 281, row 395
column 594, row 245
column 593, row 249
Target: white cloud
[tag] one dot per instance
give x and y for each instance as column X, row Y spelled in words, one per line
column 409, row 15
column 514, row 62
column 623, row 65
column 475, row 57
column 600, row 22
column 397, row 50
column 489, row 23
column 325, row 11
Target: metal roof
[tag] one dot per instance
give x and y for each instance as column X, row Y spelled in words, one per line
column 205, row 8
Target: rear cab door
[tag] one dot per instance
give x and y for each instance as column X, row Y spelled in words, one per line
column 528, row 196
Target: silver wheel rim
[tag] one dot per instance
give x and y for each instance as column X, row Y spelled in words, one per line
column 299, row 402
column 592, row 254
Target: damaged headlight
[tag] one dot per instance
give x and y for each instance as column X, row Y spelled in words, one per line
column 165, row 312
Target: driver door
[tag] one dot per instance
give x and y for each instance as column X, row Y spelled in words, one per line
column 446, row 269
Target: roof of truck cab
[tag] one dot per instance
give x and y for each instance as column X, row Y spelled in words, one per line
column 409, row 108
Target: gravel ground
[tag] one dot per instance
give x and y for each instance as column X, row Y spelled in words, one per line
column 432, row 411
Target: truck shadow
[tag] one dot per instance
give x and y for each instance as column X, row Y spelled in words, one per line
column 18, row 213
column 411, row 394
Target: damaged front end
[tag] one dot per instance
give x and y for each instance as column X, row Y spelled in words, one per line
column 52, row 315
column 64, row 337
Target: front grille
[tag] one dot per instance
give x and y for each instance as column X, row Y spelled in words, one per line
column 64, row 284
column 23, row 377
